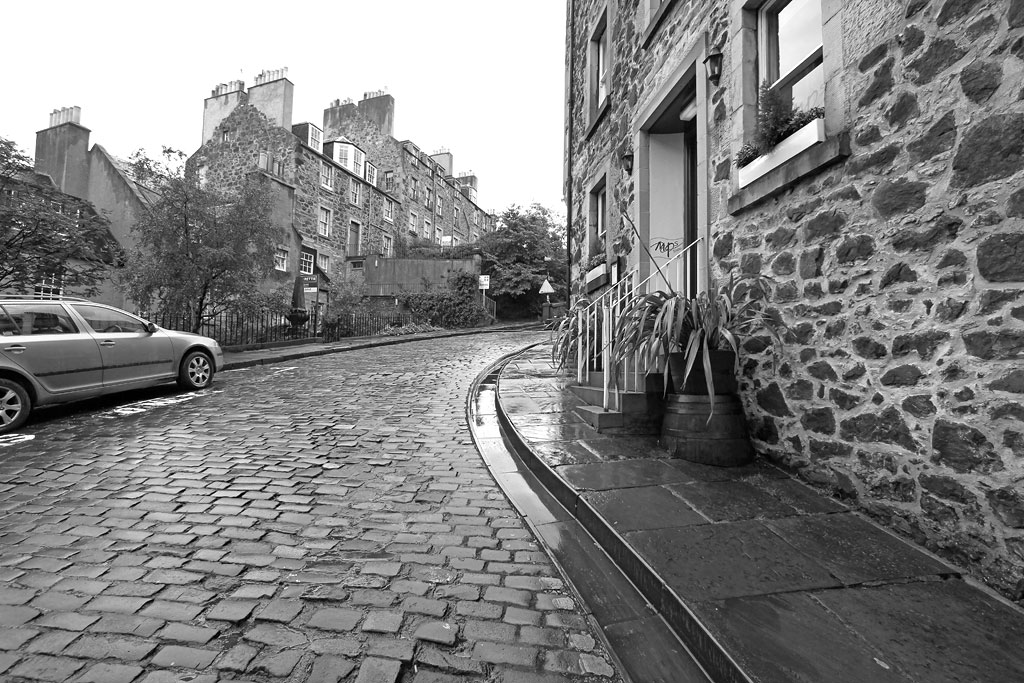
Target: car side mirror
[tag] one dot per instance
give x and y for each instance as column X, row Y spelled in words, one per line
column 151, row 327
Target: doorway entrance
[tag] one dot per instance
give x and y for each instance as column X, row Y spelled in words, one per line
column 673, row 184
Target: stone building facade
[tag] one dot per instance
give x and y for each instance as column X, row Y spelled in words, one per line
column 346, row 191
column 437, row 205
column 891, row 223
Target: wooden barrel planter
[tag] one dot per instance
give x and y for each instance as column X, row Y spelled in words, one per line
column 722, row 441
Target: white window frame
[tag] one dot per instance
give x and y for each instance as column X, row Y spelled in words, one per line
column 767, row 39
column 414, row 223
column 50, row 286
column 387, row 246
column 389, row 180
column 358, row 158
column 371, row 174
column 323, row 262
column 316, row 138
column 306, row 261
column 343, row 154
column 427, row 228
column 389, row 210
column 599, row 68
column 326, row 175
column 324, row 219
column 439, row 202
column 355, row 193
column 281, row 259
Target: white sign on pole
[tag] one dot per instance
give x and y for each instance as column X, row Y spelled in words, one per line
column 485, row 282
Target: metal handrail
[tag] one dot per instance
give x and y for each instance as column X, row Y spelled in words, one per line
column 602, row 314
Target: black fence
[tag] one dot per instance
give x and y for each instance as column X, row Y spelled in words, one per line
column 266, row 327
column 363, row 325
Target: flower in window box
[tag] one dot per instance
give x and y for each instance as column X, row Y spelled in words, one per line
column 776, row 120
column 596, row 260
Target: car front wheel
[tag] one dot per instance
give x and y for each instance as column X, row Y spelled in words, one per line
column 15, row 405
column 196, row 371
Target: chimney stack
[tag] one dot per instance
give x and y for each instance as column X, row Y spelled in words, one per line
column 379, row 107
column 222, row 101
column 62, row 151
column 65, row 115
column 271, row 93
column 446, row 160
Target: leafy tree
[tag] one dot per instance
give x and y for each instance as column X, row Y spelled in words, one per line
column 46, row 234
column 527, row 247
column 200, row 250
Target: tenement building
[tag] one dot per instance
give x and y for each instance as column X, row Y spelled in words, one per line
column 867, row 156
column 346, row 191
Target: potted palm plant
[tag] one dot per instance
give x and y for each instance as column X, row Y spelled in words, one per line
column 694, row 344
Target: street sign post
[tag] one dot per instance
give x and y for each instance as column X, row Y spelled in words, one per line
column 485, row 284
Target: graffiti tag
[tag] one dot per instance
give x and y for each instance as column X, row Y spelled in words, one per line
column 665, row 247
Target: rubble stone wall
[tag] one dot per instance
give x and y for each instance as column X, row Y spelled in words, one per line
column 899, row 270
column 901, row 275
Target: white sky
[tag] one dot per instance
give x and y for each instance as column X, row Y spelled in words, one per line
column 480, row 77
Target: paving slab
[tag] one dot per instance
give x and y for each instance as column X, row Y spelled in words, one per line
column 728, row 560
column 643, row 507
column 855, row 550
column 763, row 577
column 620, row 474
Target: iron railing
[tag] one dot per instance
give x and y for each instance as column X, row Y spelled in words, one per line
column 363, row 325
column 243, row 329
column 267, row 327
column 596, row 326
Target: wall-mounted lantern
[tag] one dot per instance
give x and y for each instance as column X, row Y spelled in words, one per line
column 627, row 161
column 713, row 64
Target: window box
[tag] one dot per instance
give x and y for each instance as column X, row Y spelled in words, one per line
column 808, row 136
column 597, row 277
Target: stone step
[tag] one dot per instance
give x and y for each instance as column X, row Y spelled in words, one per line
column 616, row 422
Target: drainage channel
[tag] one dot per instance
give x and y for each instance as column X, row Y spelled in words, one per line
column 646, row 649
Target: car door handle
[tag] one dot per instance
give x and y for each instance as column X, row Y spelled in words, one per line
column 14, row 349
column 108, row 342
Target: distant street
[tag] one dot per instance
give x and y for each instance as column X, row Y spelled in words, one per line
column 320, row 520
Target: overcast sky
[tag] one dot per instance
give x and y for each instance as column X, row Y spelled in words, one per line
column 480, row 77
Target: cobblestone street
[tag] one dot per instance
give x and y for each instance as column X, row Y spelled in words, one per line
column 322, row 520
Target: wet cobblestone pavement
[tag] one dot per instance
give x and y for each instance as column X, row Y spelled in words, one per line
column 322, row 520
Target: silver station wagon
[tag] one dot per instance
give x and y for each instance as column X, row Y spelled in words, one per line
column 65, row 349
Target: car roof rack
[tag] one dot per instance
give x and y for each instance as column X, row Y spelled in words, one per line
column 41, row 297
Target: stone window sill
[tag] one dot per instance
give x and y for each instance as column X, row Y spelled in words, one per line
column 595, row 119
column 806, row 163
